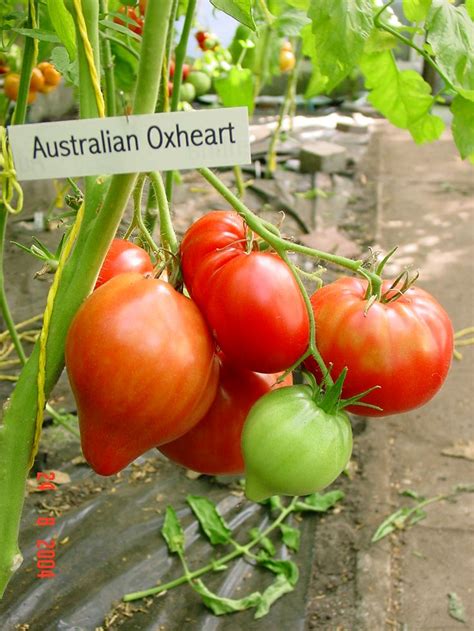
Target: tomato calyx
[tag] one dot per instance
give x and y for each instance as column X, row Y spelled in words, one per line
column 328, row 397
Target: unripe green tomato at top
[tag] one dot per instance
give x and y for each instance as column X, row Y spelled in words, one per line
column 201, row 81
column 187, row 92
column 291, row 446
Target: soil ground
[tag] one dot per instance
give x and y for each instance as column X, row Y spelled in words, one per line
column 421, row 198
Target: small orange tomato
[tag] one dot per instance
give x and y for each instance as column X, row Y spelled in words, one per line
column 51, row 76
column 287, row 46
column 37, row 80
column 287, row 60
column 11, row 86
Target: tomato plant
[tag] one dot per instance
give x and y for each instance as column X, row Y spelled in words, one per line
column 403, row 344
column 141, row 364
column 123, row 256
column 213, row 445
column 292, row 445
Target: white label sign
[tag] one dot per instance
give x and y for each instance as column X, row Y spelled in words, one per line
column 152, row 142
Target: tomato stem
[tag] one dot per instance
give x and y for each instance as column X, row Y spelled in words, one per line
column 238, row 551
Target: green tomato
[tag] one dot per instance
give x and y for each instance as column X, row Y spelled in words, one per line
column 187, row 92
column 201, row 81
column 291, row 446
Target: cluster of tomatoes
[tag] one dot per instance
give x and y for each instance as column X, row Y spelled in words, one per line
column 44, row 79
column 195, row 83
column 207, row 41
column 135, row 21
column 197, row 377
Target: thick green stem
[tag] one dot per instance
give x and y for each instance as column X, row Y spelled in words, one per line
column 238, row 551
column 19, row 116
column 97, row 231
column 108, row 66
column 180, row 54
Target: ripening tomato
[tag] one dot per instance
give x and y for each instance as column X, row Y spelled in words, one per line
column 142, row 368
column 171, row 68
column 404, row 346
column 257, row 312
column 251, row 301
column 11, row 86
column 51, row 76
column 292, row 446
column 218, row 231
column 124, row 256
column 135, row 24
column 142, row 6
column 286, row 60
column 37, row 80
column 186, row 70
column 213, row 445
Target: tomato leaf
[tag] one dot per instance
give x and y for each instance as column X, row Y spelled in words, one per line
column 240, row 10
column 211, row 521
column 63, row 24
column 172, row 531
column 416, row 10
column 220, row 605
column 39, row 34
column 278, row 566
column 319, row 503
column 339, row 31
column 121, row 29
column 400, row 519
column 456, row 607
column 291, row 537
column 470, row 8
column 264, row 542
column 276, row 590
column 463, row 126
column 290, row 23
column 69, row 69
column 235, row 88
column 402, row 96
column 450, row 33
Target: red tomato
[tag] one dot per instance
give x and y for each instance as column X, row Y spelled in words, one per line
column 123, row 256
column 213, row 445
column 142, row 368
column 171, row 69
column 136, row 26
column 251, row 301
column 217, row 231
column 186, row 70
column 142, row 6
column 404, row 346
column 257, row 312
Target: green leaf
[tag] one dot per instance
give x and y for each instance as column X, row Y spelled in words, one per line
column 240, row 10
column 340, row 29
column 69, row 69
column 456, row 607
column 463, row 126
column 276, row 590
column 416, row 10
column 121, row 29
column 319, row 503
column 470, row 8
column 63, row 24
column 379, row 41
column 290, row 23
column 402, row 96
column 211, row 522
column 291, row 537
column 287, row 568
column 39, row 34
column 450, row 32
column 235, row 88
column 172, row 531
column 264, row 542
column 400, row 519
column 220, row 605
column 303, row 5
column 413, row 494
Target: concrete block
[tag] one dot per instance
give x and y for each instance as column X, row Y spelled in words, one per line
column 323, row 156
